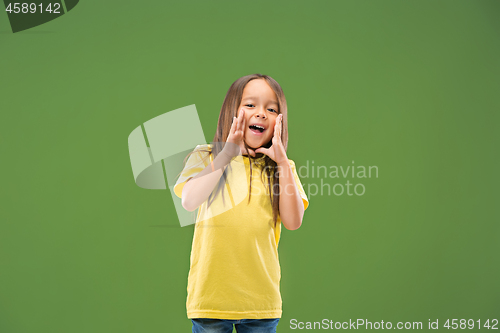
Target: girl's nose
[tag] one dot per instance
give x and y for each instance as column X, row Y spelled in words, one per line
column 261, row 114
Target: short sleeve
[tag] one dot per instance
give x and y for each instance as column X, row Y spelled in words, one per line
column 196, row 162
column 299, row 185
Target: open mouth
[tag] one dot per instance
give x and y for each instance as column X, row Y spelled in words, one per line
column 257, row 129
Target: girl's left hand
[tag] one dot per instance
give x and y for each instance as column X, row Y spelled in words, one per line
column 277, row 151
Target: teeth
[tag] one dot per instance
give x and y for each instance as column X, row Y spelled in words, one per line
column 259, row 127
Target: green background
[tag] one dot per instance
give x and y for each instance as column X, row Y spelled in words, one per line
column 409, row 86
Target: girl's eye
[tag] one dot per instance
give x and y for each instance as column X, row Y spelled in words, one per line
column 249, row 105
column 272, row 110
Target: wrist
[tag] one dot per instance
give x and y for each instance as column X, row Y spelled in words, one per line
column 228, row 153
column 283, row 164
column 283, row 168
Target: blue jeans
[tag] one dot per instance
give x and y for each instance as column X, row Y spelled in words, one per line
column 206, row 325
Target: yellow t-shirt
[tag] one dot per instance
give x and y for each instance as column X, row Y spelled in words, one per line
column 234, row 271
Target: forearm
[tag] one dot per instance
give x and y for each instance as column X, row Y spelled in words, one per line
column 291, row 205
column 198, row 189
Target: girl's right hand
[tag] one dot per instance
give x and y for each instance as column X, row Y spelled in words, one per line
column 237, row 137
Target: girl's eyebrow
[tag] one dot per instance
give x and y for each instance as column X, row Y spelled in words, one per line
column 254, row 98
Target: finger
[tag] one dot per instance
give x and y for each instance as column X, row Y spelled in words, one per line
column 246, row 151
column 280, row 126
column 264, row 151
column 241, row 120
column 231, row 129
column 238, row 119
column 233, row 125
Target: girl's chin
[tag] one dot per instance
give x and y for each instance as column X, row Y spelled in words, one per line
column 258, row 145
column 253, row 145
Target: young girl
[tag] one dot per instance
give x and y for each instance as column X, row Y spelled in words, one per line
column 245, row 187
